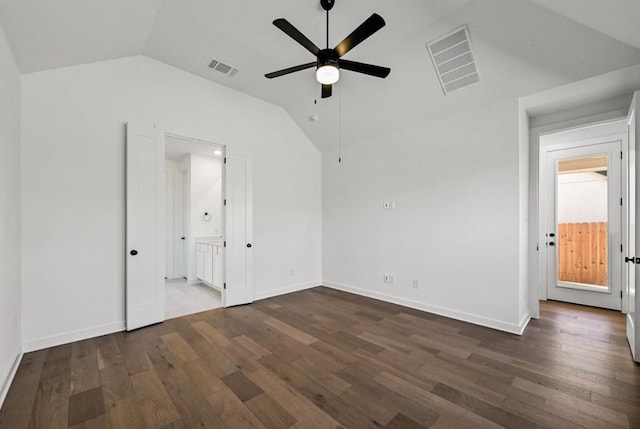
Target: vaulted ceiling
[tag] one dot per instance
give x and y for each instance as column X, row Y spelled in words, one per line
column 521, row 47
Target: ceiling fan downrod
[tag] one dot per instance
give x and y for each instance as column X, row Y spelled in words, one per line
column 327, row 5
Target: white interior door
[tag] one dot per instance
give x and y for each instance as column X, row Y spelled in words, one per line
column 584, row 225
column 239, row 210
column 633, row 333
column 145, row 235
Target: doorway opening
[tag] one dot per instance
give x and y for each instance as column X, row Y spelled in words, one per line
column 582, row 215
column 194, row 237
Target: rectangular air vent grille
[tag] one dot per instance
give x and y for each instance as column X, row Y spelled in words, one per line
column 223, row 68
column 453, row 60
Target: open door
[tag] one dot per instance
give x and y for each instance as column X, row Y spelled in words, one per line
column 145, row 175
column 239, row 210
column 584, row 220
column 633, row 331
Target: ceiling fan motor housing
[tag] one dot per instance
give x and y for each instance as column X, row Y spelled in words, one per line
column 328, row 57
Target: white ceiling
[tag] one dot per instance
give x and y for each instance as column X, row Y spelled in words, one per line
column 521, row 47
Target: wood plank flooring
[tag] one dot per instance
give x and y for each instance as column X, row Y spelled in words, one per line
column 327, row 359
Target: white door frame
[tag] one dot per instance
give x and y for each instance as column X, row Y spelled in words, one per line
column 241, row 284
column 632, row 319
column 537, row 280
column 189, row 243
column 610, row 145
column 175, row 223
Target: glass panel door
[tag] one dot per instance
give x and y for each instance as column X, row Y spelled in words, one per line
column 584, row 221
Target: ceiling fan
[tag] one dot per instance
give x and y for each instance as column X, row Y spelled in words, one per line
column 328, row 61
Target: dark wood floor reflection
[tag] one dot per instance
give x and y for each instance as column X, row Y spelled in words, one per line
column 325, row 359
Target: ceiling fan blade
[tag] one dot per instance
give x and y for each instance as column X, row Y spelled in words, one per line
column 366, row 29
column 290, row 70
column 296, row 35
column 369, row 69
column 326, row 91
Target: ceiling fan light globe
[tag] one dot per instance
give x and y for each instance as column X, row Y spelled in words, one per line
column 327, row 74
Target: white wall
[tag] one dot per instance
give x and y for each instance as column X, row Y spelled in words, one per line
column 10, row 301
column 206, row 195
column 456, row 225
column 73, row 186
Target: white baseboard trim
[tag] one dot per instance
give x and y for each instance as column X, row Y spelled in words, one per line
column 441, row 311
column 524, row 322
column 289, row 289
column 71, row 336
column 8, row 378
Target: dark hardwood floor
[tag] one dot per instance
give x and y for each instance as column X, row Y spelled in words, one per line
column 324, row 359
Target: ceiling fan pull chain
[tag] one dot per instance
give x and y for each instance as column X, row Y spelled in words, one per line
column 339, row 125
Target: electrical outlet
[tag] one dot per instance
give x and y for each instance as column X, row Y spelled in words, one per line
column 416, row 284
column 388, row 278
column 388, row 205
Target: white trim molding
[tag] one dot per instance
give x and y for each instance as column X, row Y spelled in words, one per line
column 8, row 379
column 282, row 291
column 71, row 336
column 487, row 322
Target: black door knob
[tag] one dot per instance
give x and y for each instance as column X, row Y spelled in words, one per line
column 551, row 243
column 181, row 238
column 134, row 252
column 248, row 244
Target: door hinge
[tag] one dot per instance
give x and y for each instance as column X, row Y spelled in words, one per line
column 620, row 154
column 225, row 202
column 620, row 294
column 224, row 244
column 225, row 160
column 620, row 201
column 224, row 285
column 621, row 248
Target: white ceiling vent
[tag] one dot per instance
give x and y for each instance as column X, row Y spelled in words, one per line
column 453, row 59
column 223, row 68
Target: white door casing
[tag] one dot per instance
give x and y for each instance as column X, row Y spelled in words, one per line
column 238, row 226
column 145, row 226
column 170, row 224
column 633, row 130
column 180, row 232
column 577, row 293
column 185, row 224
column 175, row 238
